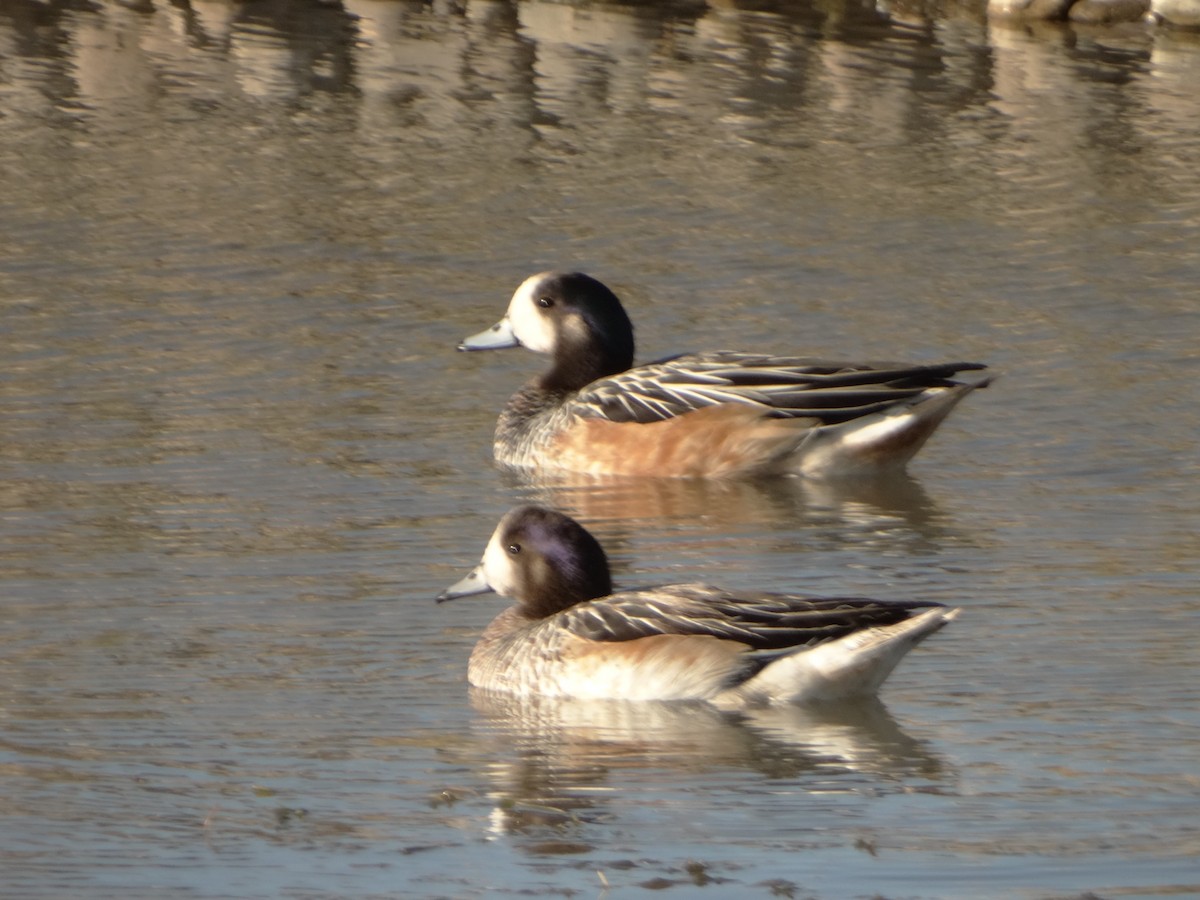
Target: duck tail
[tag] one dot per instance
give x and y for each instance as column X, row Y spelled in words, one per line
column 881, row 441
column 851, row 666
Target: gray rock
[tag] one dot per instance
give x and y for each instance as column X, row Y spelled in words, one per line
column 1185, row 13
column 1108, row 12
column 1029, row 9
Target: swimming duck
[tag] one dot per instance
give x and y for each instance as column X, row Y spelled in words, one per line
column 716, row 414
column 570, row 635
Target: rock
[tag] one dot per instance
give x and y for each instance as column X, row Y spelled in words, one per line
column 1185, row 13
column 1029, row 9
column 1107, row 12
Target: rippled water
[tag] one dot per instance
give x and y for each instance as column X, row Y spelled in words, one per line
column 239, row 455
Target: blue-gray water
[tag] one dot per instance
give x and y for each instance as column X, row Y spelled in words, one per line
column 239, row 455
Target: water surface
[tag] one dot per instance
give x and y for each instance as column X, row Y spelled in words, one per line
column 240, row 456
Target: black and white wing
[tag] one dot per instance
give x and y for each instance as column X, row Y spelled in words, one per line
column 786, row 387
column 762, row 621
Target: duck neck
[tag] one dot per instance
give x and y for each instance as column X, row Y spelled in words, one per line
column 560, row 594
column 576, row 571
column 576, row 367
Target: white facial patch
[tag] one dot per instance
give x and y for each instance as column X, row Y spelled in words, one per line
column 532, row 327
column 498, row 566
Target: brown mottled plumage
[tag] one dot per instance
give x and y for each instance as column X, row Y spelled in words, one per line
column 717, row 414
column 570, row 635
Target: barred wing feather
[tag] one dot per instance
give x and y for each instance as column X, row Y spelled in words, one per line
column 785, row 387
column 762, row 621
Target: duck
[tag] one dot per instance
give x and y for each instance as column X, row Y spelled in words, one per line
column 715, row 414
column 568, row 634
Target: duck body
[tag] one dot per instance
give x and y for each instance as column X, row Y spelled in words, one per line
column 715, row 414
column 570, row 635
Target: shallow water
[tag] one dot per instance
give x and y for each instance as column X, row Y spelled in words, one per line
column 240, row 456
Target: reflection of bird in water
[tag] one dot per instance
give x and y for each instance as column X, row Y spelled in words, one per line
column 570, row 635
column 829, row 511
column 556, row 760
column 718, row 414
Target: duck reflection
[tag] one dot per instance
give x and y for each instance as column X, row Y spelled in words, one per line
column 830, row 513
column 562, row 756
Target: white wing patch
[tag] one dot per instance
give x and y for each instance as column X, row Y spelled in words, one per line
column 877, row 432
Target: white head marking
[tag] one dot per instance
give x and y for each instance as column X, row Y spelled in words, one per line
column 498, row 566
column 532, row 326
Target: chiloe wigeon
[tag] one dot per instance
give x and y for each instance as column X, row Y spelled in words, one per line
column 570, row 635
column 715, row 414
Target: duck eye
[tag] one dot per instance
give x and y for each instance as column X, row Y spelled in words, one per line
column 514, row 549
column 545, row 302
